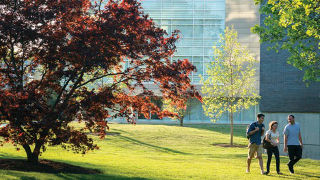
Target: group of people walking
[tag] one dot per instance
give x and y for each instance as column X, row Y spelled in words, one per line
column 292, row 143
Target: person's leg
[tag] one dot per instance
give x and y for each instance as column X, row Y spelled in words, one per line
column 298, row 154
column 291, row 153
column 248, row 164
column 269, row 152
column 259, row 156
column 276, row 154
column 261, row 164
column 251, row 152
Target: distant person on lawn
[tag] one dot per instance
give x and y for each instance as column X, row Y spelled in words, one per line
column 272, row 135
column 255, row 131
column 292, row 142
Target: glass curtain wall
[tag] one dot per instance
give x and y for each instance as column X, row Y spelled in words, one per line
column 200, row 23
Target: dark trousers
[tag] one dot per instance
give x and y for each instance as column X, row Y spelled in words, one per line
column 295, row 154
column 275, row 151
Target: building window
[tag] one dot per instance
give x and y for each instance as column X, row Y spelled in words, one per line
column 200, row 22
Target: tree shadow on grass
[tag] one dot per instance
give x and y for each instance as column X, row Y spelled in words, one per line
column 69, row 176
column 96, row 177
column 120, row 130
column 27, row 178
column 55, row 169
column 112, row 133
column 107, row 133
column 289, row 176
column 310, row 175
column 283, row 176
column 44, row 166
column 162, row 149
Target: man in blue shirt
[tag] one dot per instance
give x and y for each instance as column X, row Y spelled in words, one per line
column 292, row 142
column 255, row 131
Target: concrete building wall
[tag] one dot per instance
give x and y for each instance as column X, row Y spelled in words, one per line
column 310, row 131
column 283, row 92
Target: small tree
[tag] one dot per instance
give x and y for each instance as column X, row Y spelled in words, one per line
column 67, row 44
column 230, row 85
column 179, row 112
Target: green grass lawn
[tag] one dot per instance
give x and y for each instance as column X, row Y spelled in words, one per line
column 163, row 152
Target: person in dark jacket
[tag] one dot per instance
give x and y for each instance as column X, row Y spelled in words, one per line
column 255, row 131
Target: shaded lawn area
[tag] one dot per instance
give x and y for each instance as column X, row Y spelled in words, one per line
column 161, row 152
column 44, row 166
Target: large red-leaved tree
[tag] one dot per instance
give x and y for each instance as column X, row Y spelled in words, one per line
column 51, row 50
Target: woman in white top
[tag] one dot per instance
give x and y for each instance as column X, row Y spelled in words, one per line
column 272, row 135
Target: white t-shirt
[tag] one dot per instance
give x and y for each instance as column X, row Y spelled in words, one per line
column 274, row 136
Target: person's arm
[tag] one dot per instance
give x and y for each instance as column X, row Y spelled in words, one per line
column 250, row 132
column 267, row 137
column 262, row 130
column 277, row 143
column 278, row 139
column 285, row 141
column 300, row 139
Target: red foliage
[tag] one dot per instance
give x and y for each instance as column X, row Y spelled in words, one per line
column 51, row 50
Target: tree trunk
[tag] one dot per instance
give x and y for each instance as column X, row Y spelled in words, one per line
column 181, row 121
column 231, row 128
column 33, row 157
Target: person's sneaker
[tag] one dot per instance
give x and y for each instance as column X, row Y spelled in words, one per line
column 280, row 173
column 263, row 173
column 247, row 171
column 266, row 173
column 290, row 169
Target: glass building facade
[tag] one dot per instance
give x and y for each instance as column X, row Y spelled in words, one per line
column 200, row 23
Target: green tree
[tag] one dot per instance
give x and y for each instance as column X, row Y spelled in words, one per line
column 293, row 26
column 230, row 85
column 180, row 112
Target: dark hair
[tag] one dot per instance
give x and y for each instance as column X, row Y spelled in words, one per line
column 271, row 124
column 292, row 116
column 260, row 115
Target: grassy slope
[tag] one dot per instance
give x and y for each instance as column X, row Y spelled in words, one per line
column 163, row 152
